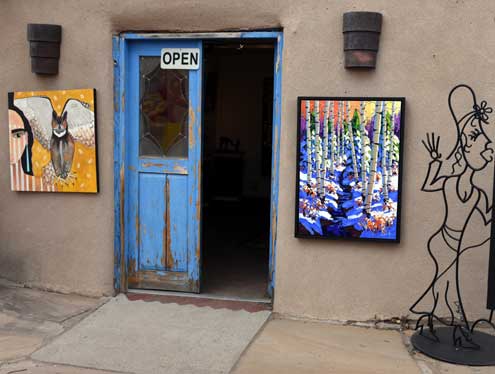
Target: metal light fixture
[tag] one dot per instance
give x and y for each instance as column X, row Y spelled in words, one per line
column 361, row 38
column 44, row 47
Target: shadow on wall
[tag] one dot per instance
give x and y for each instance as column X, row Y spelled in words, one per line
column 13, row 267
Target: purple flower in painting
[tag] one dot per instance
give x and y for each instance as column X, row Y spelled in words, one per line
column 397, row 124
column 369, row 127
column 303, row 125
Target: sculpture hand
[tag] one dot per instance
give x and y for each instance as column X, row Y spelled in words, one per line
column 431, row 146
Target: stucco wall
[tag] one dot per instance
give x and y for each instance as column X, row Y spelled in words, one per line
column 65, row 241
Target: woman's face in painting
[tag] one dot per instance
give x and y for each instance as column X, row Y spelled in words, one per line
column 18, row 138
column 476, row 145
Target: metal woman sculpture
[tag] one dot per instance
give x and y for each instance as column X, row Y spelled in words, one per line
column 463, row 200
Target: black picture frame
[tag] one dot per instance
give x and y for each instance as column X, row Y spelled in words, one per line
column 97, row 163
column 297, row 231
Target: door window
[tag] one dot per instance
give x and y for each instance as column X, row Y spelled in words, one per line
column 164, row 104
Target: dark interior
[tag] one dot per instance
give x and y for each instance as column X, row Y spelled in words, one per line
column 238, row 108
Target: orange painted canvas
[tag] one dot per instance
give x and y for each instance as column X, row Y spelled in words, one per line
column 52, row 138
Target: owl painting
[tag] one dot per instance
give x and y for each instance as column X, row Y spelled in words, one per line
column 53, row 141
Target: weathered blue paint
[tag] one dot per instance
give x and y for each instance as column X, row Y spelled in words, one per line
column 162, row 198
column 261, row 35
column 152, row 206
column 119, row 58
column 123, row 174
column 116, row 164
column 178, row 221
column 205, row 35
column 127, row 224
column 277, row 125
column 194, row 180
column 162, row 203
column 131, row 113
column 179, row 166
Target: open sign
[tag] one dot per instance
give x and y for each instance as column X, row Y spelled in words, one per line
column 180, row 58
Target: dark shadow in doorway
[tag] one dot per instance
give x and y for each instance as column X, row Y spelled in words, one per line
column 237, row 169
column 236, row 259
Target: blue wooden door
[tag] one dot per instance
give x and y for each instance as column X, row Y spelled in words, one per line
column 163, row 158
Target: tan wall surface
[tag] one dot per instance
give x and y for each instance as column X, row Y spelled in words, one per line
column 65, row 241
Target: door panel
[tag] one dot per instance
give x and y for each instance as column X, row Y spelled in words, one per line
column 163, row 132
column 152, row 210
column 177, row 223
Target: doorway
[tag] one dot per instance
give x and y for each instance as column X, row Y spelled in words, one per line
column 162, row 208
column 237, row 165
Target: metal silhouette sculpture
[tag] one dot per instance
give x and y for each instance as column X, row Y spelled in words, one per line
column 454, row 339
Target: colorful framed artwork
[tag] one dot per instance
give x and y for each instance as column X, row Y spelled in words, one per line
column 349, row 168
column 52, row 139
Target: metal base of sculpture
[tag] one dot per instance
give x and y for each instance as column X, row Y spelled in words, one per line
column 443, row 328
column 442, row 349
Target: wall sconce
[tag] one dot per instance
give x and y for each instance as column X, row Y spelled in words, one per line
column 361, row 38
column 44, row 47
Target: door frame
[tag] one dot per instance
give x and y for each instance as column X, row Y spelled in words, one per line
column 119, row 51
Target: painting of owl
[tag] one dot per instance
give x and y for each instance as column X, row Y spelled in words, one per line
column 63, row 147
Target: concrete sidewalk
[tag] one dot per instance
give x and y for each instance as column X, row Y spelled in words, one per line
column 72, row 332
column 157, row 336
column 302, row 347
column 30, row 319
